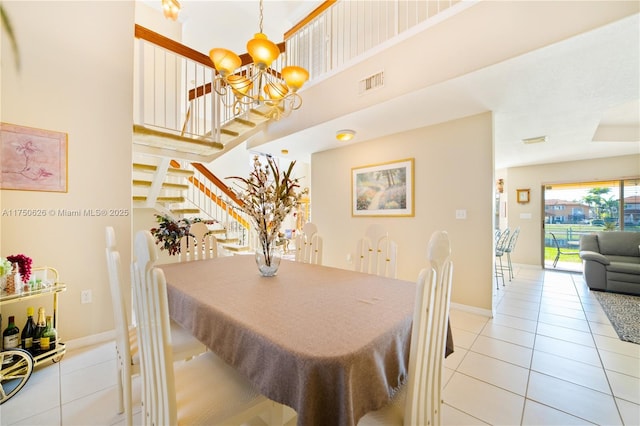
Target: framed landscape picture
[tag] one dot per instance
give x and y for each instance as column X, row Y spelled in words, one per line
column 383, row 189
column 32, row 159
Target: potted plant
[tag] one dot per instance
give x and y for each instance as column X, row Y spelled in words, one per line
column 169, row 231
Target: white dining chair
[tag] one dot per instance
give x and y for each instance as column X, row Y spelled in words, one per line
column 198, row 244
column 184, row 345
column 376, row 253
column 420, row 401
column 204, row 390
column 309, row 245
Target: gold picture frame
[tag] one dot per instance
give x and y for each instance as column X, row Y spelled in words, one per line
column 384, row 189
column 523, row 196
column 32, row 159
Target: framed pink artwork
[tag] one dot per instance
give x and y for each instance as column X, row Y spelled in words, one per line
column 32, row 159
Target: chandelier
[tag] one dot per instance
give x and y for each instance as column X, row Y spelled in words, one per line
column 171, row 8
column 258, row 84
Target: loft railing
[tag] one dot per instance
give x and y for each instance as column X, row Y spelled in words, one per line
column 174, row 88
column 337, row 32
column 166, row 73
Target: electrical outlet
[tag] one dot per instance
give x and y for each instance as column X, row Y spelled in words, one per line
column 85, row 296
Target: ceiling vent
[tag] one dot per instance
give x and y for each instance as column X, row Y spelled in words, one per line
column 370, row 83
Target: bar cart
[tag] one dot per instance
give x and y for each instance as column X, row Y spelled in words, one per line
column 17, row 364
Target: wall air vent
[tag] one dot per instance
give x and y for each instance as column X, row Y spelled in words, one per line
column 370, row 83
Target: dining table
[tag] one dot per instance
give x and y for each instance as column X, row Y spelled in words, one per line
column 332, row 344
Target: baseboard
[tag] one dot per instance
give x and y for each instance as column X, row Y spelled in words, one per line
column 93, row 339
column 472, row 310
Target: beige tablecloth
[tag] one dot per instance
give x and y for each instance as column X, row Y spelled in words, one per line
column 330, row 343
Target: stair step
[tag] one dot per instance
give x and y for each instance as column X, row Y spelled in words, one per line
column 144, row 167
column 171, row 170
column 229, row 132
column 245, row 122
column 185, row 211
column 165, row 185
column 235, row 248
column 173, row 141
column 230, row 241
column 160, row 199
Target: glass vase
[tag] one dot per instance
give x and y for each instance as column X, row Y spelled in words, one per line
column 268, row 260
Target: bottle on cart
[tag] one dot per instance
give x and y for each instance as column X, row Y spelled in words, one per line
column 29, row 331
column 10, row 338
column 49, row 336
column 40, row 326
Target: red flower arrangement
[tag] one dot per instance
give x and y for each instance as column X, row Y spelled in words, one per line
column 24, row 265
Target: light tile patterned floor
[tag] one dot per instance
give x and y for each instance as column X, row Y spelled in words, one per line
column 548, row 357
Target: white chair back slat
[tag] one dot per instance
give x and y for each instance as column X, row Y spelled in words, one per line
column 429, row 333
column 199, row 244
column 386, row 258
column 161, row 335
column 363, row 255
column 123, row 348
column 140, row 273
column 376, row 253
column 121, row 319
column 309, row 245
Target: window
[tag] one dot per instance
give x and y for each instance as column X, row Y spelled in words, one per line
column 574, row 209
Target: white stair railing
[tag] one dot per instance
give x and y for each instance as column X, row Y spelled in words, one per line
column 346, row 30
column 175, row 89
column 209, row 198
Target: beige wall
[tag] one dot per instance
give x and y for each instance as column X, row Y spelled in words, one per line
column 529, row 217
column 75, row 77
column 453, row 170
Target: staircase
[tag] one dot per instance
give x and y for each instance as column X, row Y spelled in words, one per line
column 159, row 141
column 181, row 123
column 179, row 190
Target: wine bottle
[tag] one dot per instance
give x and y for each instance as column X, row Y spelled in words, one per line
column 28, row 331
column 49, row 336
column 40, row 326
column 10, row 338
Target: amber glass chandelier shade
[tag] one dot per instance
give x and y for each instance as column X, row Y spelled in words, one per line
column 295, row 77
column 225, row 61
column 240, row 84
column 276, row 91
column 171, row 8
column 262, row 50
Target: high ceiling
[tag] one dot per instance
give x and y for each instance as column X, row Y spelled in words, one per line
column 582, row 93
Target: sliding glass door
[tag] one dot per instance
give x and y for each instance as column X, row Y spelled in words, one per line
column 575, row 209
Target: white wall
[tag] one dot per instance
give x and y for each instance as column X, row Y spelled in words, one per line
column 529, row 246
column 453, row 170
column 75, row 77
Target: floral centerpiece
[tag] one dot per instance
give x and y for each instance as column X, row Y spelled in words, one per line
column 269, row 195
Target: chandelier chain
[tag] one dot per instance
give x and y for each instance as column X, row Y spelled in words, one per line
column 258, row 85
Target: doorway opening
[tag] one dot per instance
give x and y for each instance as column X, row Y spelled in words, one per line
column 574, row 209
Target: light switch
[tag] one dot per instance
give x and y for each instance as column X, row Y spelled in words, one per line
column 461, row 214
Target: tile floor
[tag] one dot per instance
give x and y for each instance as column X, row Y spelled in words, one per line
column 548, row 357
